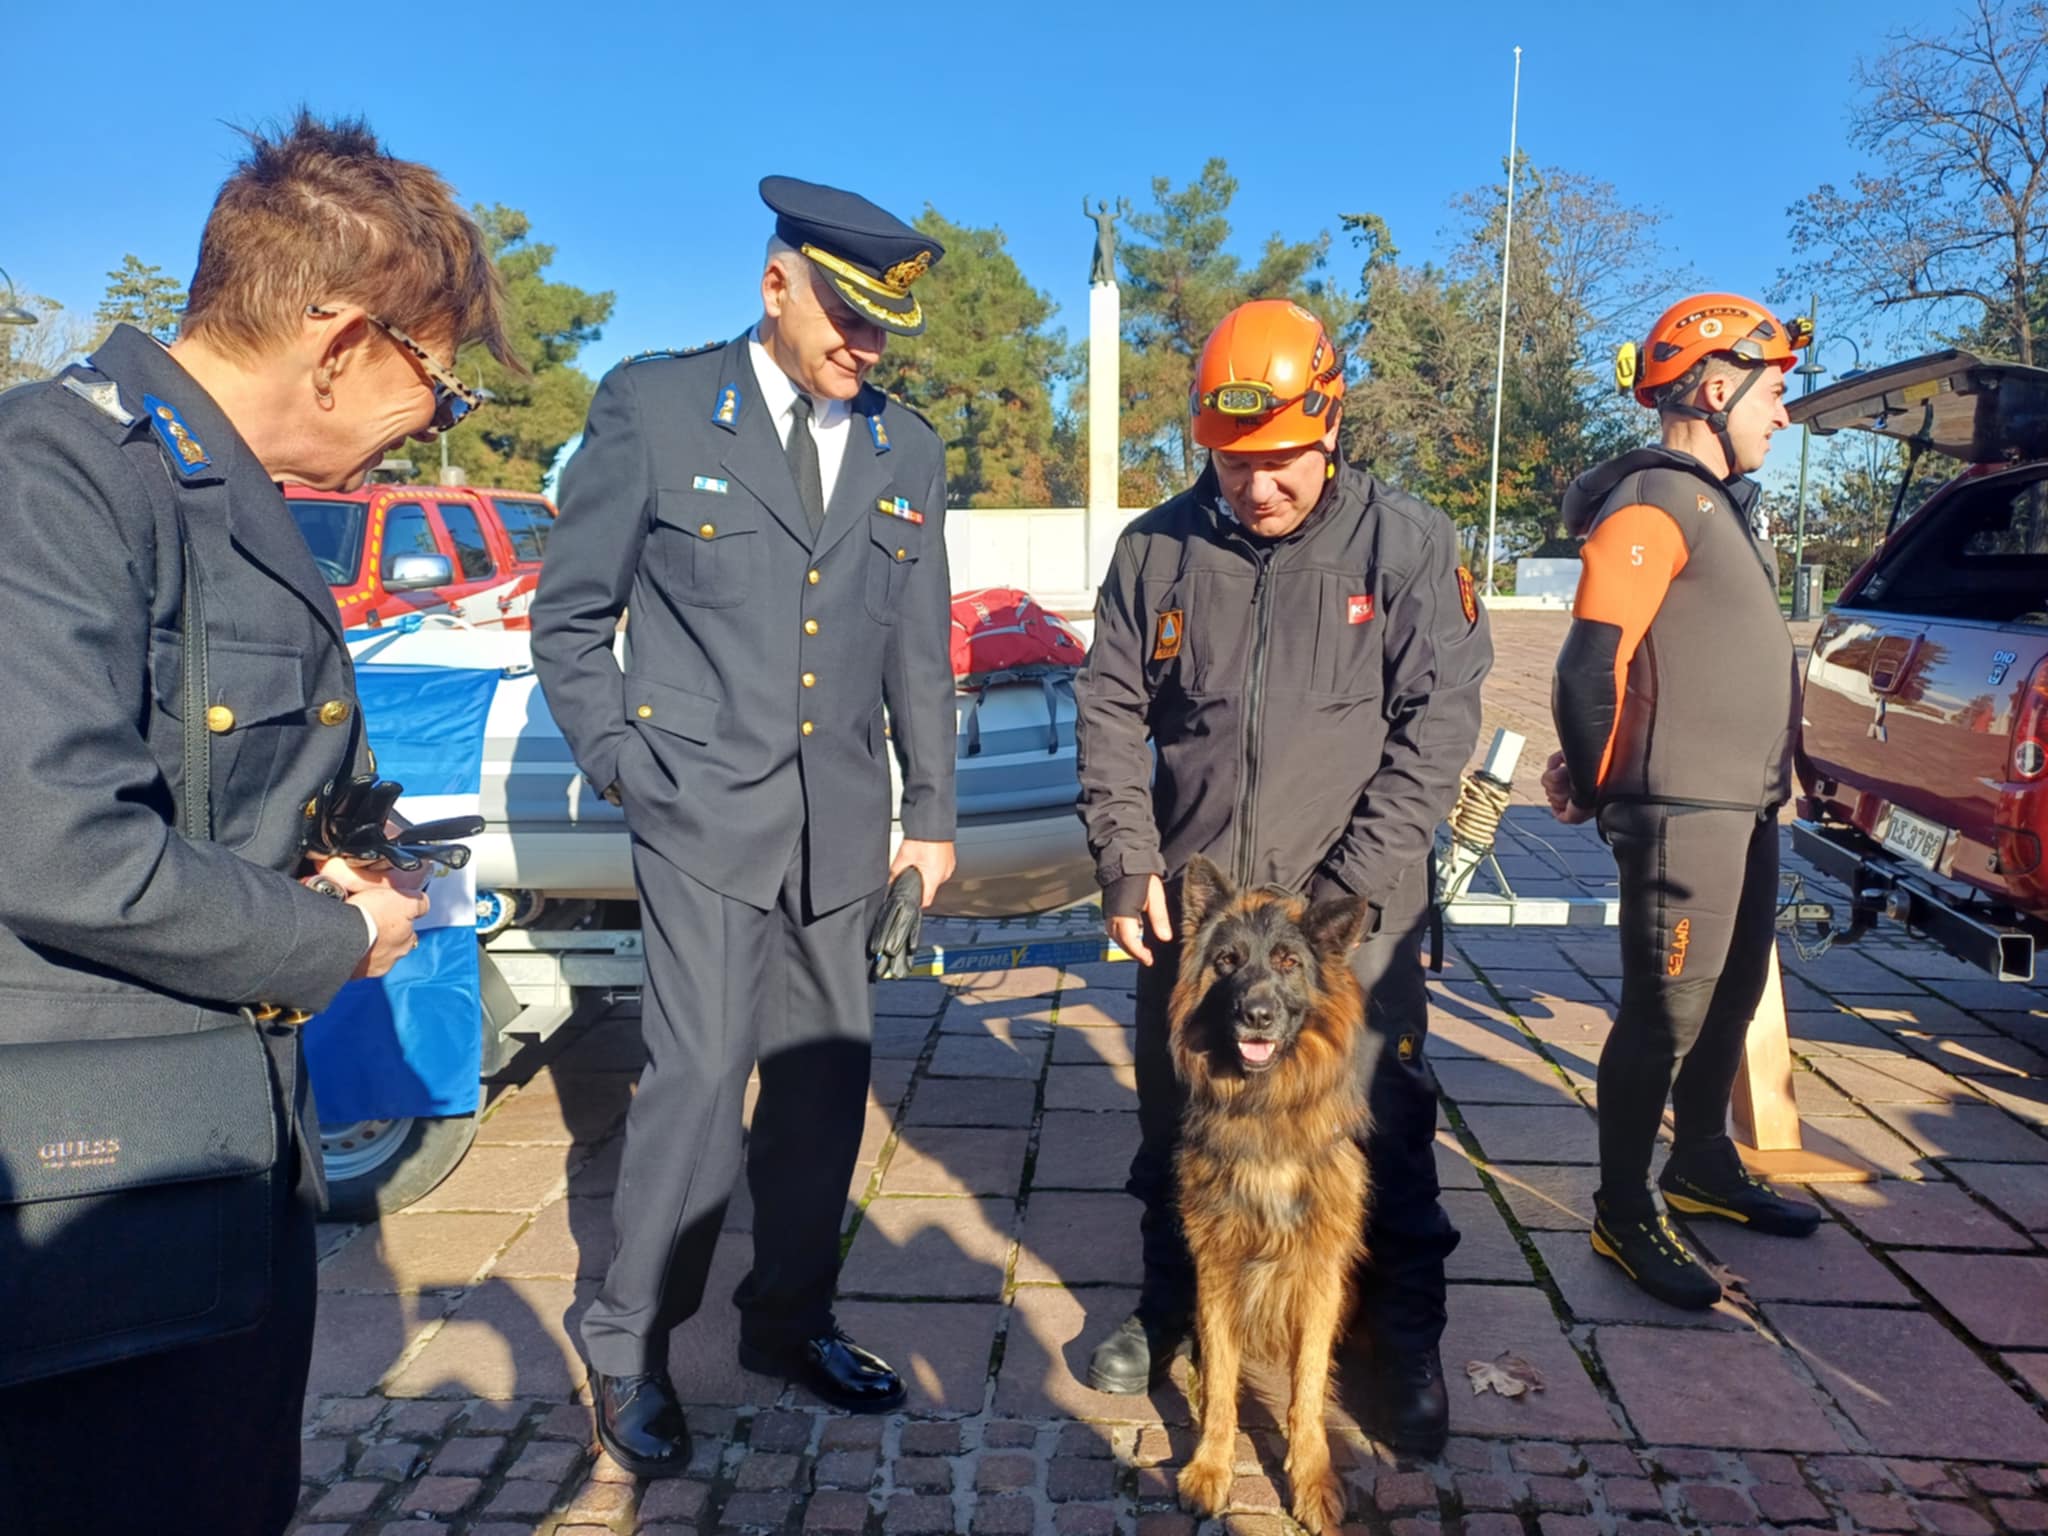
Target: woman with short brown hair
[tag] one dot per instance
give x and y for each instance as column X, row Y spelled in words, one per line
column 155, row 578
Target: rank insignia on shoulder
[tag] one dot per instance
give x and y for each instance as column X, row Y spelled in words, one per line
column 707, row 483
column 1468, row 597
column 727, row 412
column 1166, row 635
column 896, row 506
column 104, row 397
column 655, row 354
column 880, row 434
column 171, row 430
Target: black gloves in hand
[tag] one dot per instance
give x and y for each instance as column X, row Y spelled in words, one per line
column 348, row 821
column 893, row 939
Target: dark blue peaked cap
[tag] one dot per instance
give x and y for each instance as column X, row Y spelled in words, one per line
column 870, row 256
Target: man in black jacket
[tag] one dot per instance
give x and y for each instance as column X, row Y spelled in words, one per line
column 1300, row 647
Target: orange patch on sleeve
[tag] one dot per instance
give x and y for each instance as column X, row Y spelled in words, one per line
column 1628, row 564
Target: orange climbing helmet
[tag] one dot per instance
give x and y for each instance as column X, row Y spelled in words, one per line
column 1699, row 327
column 1269, row 379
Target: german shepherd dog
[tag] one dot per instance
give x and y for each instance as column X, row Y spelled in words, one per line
column 1265, row 1019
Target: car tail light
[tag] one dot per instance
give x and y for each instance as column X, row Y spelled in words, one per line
column 2029, row 755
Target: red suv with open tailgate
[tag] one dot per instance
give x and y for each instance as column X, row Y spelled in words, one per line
column 1924, row 738
column 391, row 550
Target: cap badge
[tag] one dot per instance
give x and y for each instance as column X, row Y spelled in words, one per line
column 904, row 273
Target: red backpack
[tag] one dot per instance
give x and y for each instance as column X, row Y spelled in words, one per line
column 1000, row 631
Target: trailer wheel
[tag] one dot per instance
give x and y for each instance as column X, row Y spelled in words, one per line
column 378, row 1166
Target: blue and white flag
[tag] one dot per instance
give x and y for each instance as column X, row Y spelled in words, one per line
column 411, row 1042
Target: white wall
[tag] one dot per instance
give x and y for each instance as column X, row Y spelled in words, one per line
column 1051, row 552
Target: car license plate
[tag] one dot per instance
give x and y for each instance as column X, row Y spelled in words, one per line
column 1915, row 838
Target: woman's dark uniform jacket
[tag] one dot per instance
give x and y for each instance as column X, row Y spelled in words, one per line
column 111, row 923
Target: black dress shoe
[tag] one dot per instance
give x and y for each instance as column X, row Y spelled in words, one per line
column 837, row 1370
column 640, row 1424
column 1416, row 1409
column 1137, row 1354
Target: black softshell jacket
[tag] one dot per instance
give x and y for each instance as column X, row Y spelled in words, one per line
column 1312, row 700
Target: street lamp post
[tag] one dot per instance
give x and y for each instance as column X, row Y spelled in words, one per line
column 11, row 313
column 1809, row 372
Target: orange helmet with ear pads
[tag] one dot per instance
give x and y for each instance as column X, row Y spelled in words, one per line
column 1269, row 379
column 1699, row 327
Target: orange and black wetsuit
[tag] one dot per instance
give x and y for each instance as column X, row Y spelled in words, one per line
column 1675, row 699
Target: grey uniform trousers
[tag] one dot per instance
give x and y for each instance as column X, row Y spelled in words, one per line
column 729, row 984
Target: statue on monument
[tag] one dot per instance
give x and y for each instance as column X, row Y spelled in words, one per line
column 1104, row 268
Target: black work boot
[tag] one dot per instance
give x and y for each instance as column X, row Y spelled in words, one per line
column 1415, row 1407
column 1652, row 1254
column 1138, row 1353
column 1708, row 1179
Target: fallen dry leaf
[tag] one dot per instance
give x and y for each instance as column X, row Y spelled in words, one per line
column 1509, row 1375
column 1734, row 1289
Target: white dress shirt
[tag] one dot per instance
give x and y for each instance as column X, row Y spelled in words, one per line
column 830, row 419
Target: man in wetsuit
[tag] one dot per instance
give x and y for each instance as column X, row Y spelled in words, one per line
column 1676, row 698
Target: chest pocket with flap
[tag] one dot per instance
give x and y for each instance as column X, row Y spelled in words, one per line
column 894, row 544
column 256, row 698
column 704, row 546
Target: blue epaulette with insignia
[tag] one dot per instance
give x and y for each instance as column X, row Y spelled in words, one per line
column 184, row 449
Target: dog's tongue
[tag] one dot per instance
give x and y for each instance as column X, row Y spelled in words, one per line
column 1258, row 1052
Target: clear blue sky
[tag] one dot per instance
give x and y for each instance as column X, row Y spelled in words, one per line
column 634, row 134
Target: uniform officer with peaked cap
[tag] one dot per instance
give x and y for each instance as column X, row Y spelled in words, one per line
column 777, row 530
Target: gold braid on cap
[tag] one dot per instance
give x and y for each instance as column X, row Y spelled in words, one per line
column 849, row 273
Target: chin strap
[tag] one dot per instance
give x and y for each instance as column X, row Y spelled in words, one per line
column 1717, row 421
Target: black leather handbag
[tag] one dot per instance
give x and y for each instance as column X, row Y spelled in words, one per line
column 137, row 1176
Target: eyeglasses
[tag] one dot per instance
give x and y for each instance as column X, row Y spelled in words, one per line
column 453, row 399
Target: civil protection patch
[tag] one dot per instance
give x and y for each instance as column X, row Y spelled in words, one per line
column 1166, row 635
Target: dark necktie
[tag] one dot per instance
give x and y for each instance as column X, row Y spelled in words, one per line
column 802, row 449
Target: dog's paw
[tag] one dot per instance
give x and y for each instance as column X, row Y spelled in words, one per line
column 1205, row 1486
column 1318, row 1501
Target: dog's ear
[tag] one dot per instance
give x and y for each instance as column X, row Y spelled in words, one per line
column 1334, row 927
column 1203, row 891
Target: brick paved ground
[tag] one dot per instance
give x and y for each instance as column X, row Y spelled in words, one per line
column 1887, row 1375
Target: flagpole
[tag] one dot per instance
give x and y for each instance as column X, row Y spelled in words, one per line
column 1500, row 360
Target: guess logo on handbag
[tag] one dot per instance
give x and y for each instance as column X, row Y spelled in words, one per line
column 102, row 1152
